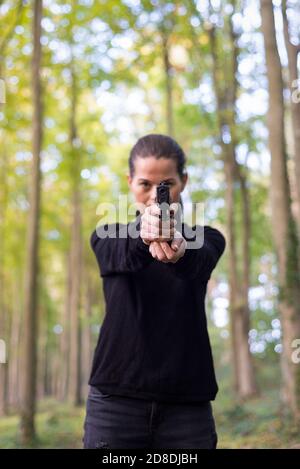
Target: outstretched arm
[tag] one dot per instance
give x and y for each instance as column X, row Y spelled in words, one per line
column 120, row 255
column 191, row 263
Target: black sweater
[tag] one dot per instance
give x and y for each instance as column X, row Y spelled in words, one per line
column 153, row 343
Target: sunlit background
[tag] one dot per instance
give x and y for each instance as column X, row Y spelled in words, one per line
column 105, row 83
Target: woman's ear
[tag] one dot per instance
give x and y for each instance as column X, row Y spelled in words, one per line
column 184, row 180
column 129, row 179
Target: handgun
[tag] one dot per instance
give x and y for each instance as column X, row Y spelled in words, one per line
column 163, row 199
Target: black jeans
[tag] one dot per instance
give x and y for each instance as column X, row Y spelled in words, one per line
column 124, row 422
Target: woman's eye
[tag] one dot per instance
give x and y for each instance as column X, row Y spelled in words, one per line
column 147, row 184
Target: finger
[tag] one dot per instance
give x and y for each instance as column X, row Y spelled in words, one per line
column 177, row 241
column 149, row 219
column 152, row 225
column 167, row 229
column 153, row 210
column 148, row 236
column 151, row 249
column 159, row 252
column 166, row 235
column 180, row 252
column 157, row 232
column 169, row 253
column 166, row 224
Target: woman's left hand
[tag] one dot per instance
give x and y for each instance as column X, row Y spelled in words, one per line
column 163, row 252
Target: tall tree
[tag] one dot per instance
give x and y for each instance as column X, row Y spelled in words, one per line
column 292, row 54
column 284, row 229
column 225, row 87
column 30, row 329
column 165, row 27
column 75, row 248
column 168, row 77
column 5, row 316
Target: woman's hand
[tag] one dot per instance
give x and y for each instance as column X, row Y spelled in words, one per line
column 153, row 228
column 165, row 253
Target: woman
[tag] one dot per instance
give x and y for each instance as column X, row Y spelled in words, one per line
column 152, row 376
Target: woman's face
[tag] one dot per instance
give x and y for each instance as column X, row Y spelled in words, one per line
column 149, row 172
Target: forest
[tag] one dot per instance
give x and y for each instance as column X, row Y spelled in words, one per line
column 80, row 82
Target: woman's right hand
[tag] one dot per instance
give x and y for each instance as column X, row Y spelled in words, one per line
column 153, row 228
column 165, row 253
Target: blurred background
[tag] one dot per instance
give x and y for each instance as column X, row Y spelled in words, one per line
column 80, row 82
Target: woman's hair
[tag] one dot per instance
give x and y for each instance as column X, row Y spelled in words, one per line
column 159, row 146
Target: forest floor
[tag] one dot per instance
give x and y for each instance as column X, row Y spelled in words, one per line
column 258, row 423
column 255, row 424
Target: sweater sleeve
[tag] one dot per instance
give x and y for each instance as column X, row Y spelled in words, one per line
column 119, row 255
column 201, row 261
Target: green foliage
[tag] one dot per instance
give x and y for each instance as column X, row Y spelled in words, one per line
column 259, row 423
column 113, row 50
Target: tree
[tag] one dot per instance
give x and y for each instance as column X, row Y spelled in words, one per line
column 75, row 251
column 284, row 230
column 292, row 54
column 224, row 76
column 5, row 313
column 30, row 329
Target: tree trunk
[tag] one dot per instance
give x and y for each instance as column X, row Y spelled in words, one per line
column 75, row 254
column 74, row 366
column 41, row 366
column 29, row 364
column 292, row 53
column 225, row 87
column 284, row 229
column 64, row 344
column 168, row 78
column 15, row 339
column 4, row 312
column 4, row 336
column 87, row 337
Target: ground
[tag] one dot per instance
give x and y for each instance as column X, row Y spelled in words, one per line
column 258, row 423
